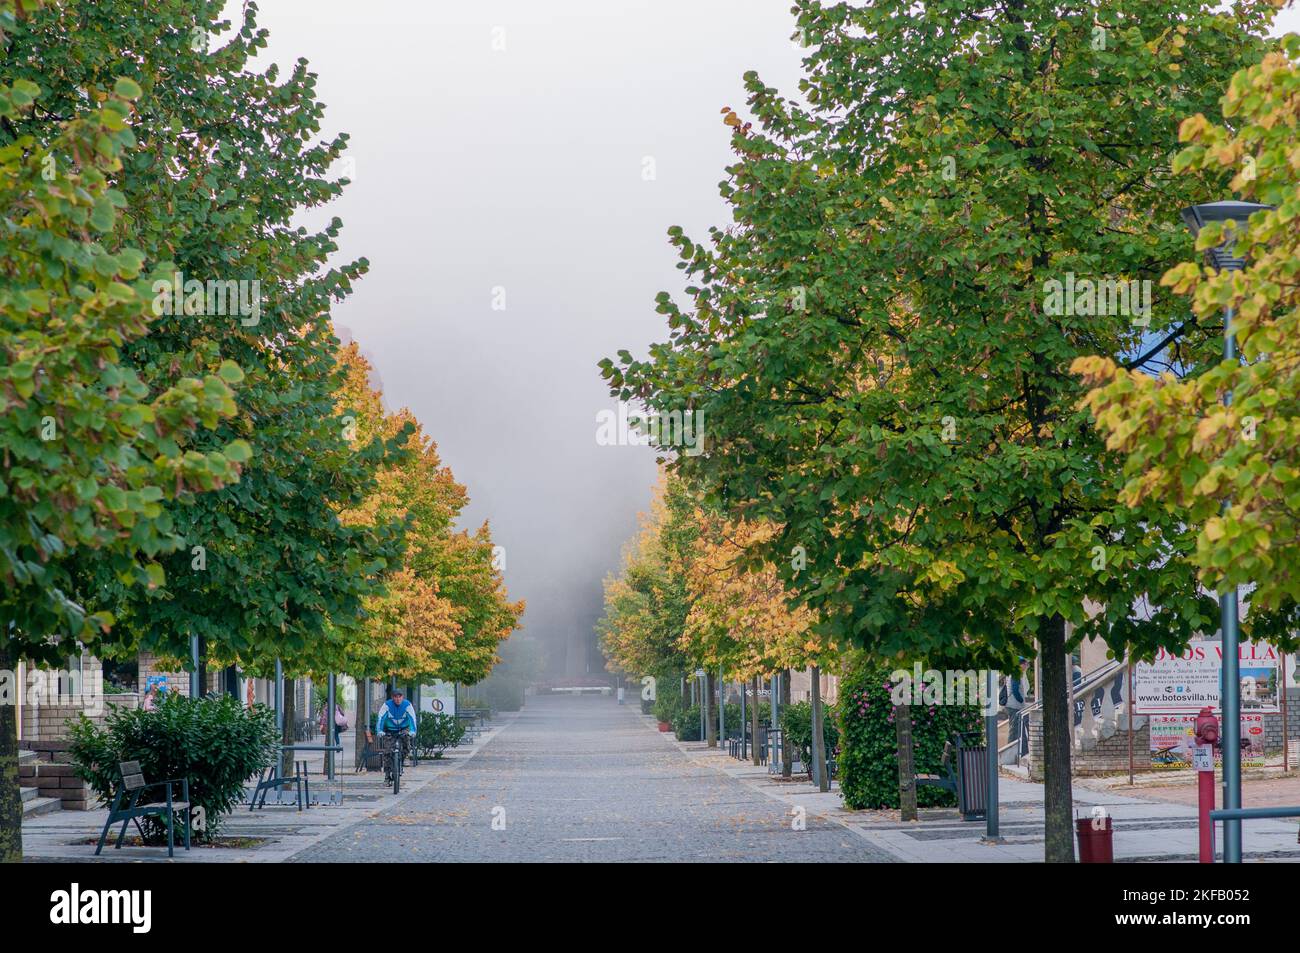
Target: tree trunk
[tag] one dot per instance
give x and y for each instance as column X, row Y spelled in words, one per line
column 710, row 726
column 787, row 758
column 818, row 733
column 288, row 737
column 906, row 770
column 11, row 799
column 1057, row 796
column 753, row 723
column 362, row 719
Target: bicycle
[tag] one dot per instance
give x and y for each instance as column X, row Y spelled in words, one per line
column 397, row 743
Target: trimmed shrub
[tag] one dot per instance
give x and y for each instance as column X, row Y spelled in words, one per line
column 796, row 723
column 686, row 724
column 868, row 761
column 666, row 707
column 437, row 732
column 733, row 718
column 215, row 742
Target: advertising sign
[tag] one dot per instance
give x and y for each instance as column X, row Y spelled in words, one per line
column 1173, row 740
column 160, row 680
column 438, row 697
column 1190, row 681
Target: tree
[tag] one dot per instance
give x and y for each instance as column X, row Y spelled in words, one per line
column 406, row 627
column 875, row 344
column 227, row 158
column 648, row 603
column 1181, row 446
column 90, row 453
column 740, row 616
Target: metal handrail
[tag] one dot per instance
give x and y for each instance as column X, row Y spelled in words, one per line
column 1088, row 681
column 1253, row 813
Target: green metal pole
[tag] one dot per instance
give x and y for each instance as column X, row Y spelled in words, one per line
column 722, row 709
column 331, row 699
column 991, row 726
column 196, row 683
column 702, row 685
column 1231, row 701
column 744, row 720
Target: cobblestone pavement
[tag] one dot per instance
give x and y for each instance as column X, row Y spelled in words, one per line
column 582, row 779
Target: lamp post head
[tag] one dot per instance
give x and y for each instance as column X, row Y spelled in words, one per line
column 1197, row 217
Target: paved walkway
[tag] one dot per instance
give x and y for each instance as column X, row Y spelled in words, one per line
column 583, row 779
column 1147, row 827
column 274, row 833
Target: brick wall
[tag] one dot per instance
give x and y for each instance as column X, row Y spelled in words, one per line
column 49, row 700
column 149, row 665
column 1104, row 756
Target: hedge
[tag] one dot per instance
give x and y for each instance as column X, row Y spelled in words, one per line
column 868, row 761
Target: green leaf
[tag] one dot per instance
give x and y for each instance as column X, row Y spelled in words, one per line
column 127, row 88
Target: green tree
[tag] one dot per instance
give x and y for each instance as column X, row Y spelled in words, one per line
column 91, row 455
column 228, row 155
column 1181, row 445
column 873, row 344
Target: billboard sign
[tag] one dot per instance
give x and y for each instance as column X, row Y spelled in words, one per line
column 1173, row 740
column 1190, row 680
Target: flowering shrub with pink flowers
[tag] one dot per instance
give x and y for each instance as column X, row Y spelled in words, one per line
column 868, row 762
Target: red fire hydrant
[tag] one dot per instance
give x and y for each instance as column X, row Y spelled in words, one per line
column 1207, row 739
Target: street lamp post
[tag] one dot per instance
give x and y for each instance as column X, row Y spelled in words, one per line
column 991, row 832
column 702, row 686
column 196, row 681
column 774, row 720
column 1224, row 258
column 722, row 709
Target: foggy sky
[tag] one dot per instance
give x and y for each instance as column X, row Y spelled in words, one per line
column 522, row 169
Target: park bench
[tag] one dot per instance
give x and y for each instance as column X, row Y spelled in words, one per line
column 304, row 729
column 474, row 720
column 134, row 783
column 947, row 779
column 370, row 759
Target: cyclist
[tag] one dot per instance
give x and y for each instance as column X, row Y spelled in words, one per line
column 396, row 717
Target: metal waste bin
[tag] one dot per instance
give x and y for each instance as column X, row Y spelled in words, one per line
column 972, row 778
column 1096, row 840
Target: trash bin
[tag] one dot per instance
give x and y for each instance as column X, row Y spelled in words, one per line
column 972, row 779
column 1096, row 840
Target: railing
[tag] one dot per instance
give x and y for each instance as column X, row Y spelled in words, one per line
column 1251, row 814
column 1098, row 703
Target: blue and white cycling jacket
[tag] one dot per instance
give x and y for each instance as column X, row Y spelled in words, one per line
column 391, row 716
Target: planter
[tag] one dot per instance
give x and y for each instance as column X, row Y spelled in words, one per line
column 664, row 726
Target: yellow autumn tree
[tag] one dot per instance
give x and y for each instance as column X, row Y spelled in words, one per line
column 740, row 617
column 409, row 629
column 646, row 604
